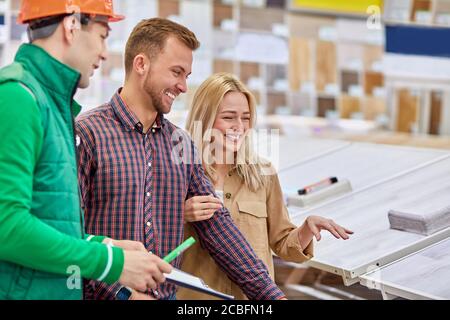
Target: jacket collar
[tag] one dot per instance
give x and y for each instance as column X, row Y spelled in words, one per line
column 55, row 76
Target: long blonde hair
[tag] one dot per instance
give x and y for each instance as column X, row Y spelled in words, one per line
column 204, row 110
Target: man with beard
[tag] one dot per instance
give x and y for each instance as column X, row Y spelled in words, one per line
column 133, row 184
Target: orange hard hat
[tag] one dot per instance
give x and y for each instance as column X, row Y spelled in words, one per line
column 36, row 9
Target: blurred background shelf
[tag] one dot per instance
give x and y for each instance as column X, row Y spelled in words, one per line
column 313, row 58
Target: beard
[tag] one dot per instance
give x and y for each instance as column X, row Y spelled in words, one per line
column 155, row 96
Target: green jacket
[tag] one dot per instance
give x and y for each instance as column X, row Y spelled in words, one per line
column 43, row 248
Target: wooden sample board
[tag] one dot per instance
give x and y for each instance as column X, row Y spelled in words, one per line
column 408, row 105
column 348, row 105
column 371, row 81
column 373, row 107
column 168, row 8
column 326, row 61
column 435, row 112
column 300, row 57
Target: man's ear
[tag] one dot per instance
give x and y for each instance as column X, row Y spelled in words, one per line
column 141, row 64
column 70, row 26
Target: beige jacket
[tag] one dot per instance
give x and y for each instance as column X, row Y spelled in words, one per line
column 263, row 219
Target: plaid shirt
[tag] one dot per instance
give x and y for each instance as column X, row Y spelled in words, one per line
column 134, row 186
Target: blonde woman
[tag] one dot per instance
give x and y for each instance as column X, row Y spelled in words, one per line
column 220, row 120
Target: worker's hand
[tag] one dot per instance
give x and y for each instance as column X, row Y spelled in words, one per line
column 126, row 244
column 315, row 224
column 140, row 296
column 142, row 270
column 201, row 208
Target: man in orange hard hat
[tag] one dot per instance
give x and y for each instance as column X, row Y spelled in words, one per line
column 44, row 251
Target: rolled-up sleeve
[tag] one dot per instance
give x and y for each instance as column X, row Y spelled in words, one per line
column 283, row 234
column 228, row 247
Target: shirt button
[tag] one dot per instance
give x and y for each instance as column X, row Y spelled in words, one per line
column 149, row 164
column 228, row 195
column 148, row 194
column 149, row 224
column 153, row 130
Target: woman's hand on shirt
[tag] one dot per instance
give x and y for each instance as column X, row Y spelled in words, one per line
column 313, row 225
column 200, row 208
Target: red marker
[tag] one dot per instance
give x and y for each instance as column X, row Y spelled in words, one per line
column 317, row 186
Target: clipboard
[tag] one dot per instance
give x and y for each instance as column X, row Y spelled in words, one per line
column 186, row 280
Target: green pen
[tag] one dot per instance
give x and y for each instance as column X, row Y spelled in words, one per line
column 178, row 250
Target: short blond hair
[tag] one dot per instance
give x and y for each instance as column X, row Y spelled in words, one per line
column 150, row 36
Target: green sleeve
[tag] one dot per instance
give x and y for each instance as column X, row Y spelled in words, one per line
column 93, row 238
column 25, row 239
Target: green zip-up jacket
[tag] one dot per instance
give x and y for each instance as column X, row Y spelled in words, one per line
column 44, row 252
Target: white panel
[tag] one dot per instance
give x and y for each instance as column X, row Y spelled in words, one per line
column 366, row 213
column 362, row 164
column 293, row 151
column 423, row 275
column 262, row 48
column 356, row 31
column 134, row 11
column 397, row 10
column 101, row 88
column 197, row 16
column 416, row 67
